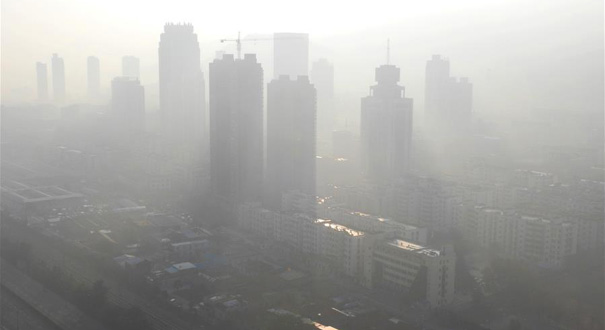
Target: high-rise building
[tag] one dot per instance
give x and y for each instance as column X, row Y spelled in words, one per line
column 461, row 97
column 448, row 101
column 58, row 68
column 182, row 90
column 131, row 67
column 386, row 128
column 236, row 129
column 290, row 54
column 94, row 77
column 42, row 78
column 322, row 77
column 128, row 103
column 437, row 75
column 291, row 110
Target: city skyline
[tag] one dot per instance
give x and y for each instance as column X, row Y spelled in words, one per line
column 268, row 165
column 490, row 68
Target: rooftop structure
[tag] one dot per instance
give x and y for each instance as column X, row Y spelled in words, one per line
column 405, row 245
column 27, row 194
column 386, row 128
column 340, row 228
column 180, row 267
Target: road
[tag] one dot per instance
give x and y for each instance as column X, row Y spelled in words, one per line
column 86, row 272
column 61, row 312
column 16, row 314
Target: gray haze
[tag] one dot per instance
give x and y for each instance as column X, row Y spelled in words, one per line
column 265, row 165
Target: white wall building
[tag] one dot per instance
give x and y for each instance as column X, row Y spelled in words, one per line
column 544, row 242
column 398, row 264
column 353, row 243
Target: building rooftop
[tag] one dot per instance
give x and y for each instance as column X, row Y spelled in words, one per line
column 127, row 259
column 200, row 241
column 407, row 246
column 489, row 210
column 27, row 194
column 376, row 219
column 340, row 228
column 180, row 267
column 536, row 173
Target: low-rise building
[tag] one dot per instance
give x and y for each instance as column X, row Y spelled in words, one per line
column 189, row 249
column 544, row 242
column 372, row 223
column 403, row 265
column 26, row 202
column 354, row 246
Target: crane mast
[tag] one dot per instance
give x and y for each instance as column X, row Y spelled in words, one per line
column 238, row 42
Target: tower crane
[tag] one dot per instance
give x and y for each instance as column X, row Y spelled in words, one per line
column 238, row 42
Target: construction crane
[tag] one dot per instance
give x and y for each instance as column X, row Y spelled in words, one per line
column 238, row 42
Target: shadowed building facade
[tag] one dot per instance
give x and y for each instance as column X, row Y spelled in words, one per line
column 182, row 90
column 128, row 104
column 236, row 129
column 322, row 77
column 291, row 111
column 42, row 80
column 58, row 67
column 448, row 101
column 386, row 128
column 94, row 77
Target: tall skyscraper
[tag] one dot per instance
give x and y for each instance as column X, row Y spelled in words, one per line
column 290, row 54
column 182, row 91
column 42, row 78
column 94, row 77
column 128, row 104
column 386, row 128
column 236, row 129
column 58, row 68
column 461, row 97
column 291, row 110
column 448, row 101
column 322, row 77
column 131, row 67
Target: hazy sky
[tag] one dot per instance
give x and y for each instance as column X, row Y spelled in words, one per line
column 504, row 45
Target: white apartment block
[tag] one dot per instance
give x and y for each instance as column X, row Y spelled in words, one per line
column 543, row 242
column 358, row 245
column 372, row 223
column 398, row 263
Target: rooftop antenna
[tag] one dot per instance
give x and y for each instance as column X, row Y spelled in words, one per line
column 239, row 46
column 388, row 51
